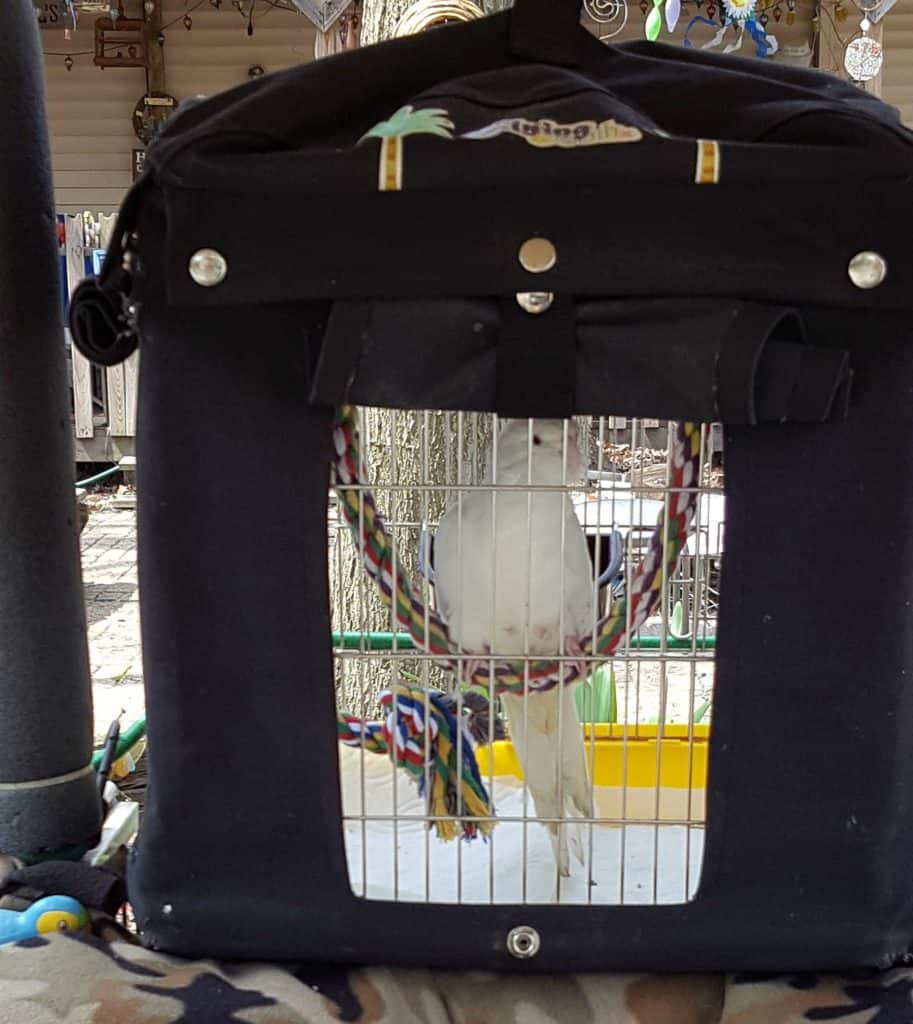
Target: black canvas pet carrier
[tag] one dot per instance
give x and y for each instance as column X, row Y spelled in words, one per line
column 421, row 230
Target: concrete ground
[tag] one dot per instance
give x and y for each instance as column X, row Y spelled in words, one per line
column 112, row 607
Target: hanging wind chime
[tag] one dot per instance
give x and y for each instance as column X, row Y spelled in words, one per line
column 743, row 16
column 610, row 15
column 864, row 55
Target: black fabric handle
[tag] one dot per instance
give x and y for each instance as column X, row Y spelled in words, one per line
column 97, row 327
column 547, row 30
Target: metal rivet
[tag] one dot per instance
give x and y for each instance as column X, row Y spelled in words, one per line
column 535, row 302
column 208, row 267
column 523, row 942
column 537, row 255
column 867, row 269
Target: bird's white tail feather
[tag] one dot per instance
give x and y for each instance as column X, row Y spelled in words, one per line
column 541, row 748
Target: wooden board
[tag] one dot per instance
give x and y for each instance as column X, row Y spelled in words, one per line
column 82, row 370
column 119, row 399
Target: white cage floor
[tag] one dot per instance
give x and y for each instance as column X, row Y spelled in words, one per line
column 392, row 856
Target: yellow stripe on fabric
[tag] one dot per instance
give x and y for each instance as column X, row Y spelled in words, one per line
column 707, row 169
column 390, row 178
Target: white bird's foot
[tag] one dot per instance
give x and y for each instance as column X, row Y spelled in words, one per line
column 573, row 649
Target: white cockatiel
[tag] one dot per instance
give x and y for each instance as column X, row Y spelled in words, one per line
column 501, row 588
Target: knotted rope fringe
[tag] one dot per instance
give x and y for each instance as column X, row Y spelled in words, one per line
column 433, row 743
column 427, row 747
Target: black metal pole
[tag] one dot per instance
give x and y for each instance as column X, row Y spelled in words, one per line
column 48, row 798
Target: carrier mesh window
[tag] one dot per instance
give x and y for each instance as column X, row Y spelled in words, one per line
column 523, row 536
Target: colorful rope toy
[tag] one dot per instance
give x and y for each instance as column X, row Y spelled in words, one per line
column 430, row 633
column 423, row 736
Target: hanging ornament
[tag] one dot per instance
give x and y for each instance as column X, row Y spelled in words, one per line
column 607, row 12
column 67, row 34
column 840, row 12
column 863, row 56
column 711, row 10
column 188, row 22
column 323, row 13
column 68, row 62
column 160, row 38
column 643, row 7
column 654, row 23
column 778, row 13
column 739, row 10
column 763, row 20
column 70, row 8
column 673, row 13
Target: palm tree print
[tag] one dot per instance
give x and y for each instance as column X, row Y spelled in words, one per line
column 409, row 121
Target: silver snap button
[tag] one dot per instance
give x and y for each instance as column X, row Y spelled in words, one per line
column 523, row 942
column 208, row 267
column 867, row 269
column 537, row 255
column 535, row 302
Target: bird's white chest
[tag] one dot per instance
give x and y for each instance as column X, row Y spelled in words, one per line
column 523, row 574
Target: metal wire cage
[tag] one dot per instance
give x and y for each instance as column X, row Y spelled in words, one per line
column 644, row 713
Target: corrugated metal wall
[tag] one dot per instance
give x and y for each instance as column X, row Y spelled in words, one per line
column 897, row 79
column 216, row 53
column 90, row 109
column 90, row 114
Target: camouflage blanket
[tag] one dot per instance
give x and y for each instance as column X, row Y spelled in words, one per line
column 84, row 979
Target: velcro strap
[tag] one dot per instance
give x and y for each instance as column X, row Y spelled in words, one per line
column 536, row 364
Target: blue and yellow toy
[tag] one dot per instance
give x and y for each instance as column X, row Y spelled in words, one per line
column 50, row 914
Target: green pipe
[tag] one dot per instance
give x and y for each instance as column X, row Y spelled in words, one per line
column 354, row 641
column 103, row 475
column 128, row 739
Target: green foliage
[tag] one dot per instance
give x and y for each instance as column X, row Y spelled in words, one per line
column 701, row 712
column 597, row 697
